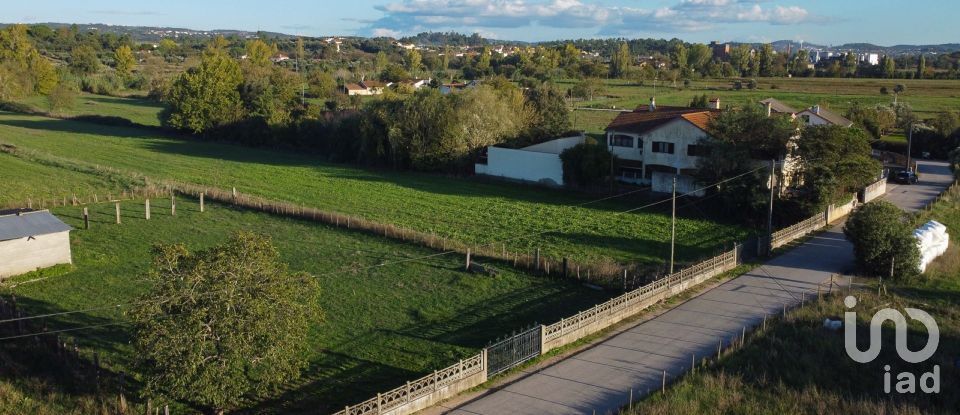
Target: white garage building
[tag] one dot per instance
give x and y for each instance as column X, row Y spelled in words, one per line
column 30, row 240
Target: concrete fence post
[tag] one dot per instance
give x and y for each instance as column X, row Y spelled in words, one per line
column 146, row 209
column 173, row 205
column 201, row 202
column 86, row 218
column 117, row 206
column 543, row 340
column 468, row 259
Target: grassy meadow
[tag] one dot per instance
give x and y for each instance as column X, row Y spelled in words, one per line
column 469, row 210
column 24, row 180
column 138, row 110
column 926, row 97
column 381, row 326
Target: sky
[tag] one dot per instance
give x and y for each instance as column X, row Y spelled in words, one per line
column 826, row 22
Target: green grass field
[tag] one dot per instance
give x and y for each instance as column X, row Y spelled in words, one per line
column 382, row 326
column 24, row 180
column 927, row 97
column 138, row 110
column 471, row 211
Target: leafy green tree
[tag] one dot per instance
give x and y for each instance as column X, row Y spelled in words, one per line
column 755, row 65
column 741, row 140
column 882, row 236
column 680, row 56
column 43, row 74
column 414, row 61
column 897, row 90
column 620, row 61
column 211, row 350
column 799, row 66
column 834, row 162
column 483, row 61
column 167, row 47
column 588, row 88
column 586, row 164
column 259, row 52
column 380, row 62
column 850, row 64
column 124, row 61
column 84, row 60
column 551, row 118
column 766, row 56
column 740, row 59
column 888, row 67
column 700, row 101
column 921, row 67
column 271, row 93
column 207, row 95
column 394, row 73
column 698, row 56
column 946, row 123
column 322, row 84
column 62, row 97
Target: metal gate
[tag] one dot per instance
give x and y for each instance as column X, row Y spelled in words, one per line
column 513, row 351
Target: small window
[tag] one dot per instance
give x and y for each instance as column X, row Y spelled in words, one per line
column 662, row 147
column 697, row 150
column 806, row 118
column 621, row 141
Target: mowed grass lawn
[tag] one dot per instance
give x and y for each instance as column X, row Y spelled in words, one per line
column 926, row 97
column 21, row 180
column 382, row 325
column 464, row 209
column 138, row 110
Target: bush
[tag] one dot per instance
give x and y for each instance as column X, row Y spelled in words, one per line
column 586, row 164
column 62, row 97
column 880, row 231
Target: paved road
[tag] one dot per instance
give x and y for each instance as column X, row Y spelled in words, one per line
column 600, row 378
column 934, row 177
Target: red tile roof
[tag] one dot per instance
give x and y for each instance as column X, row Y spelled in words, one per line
column 642, row 120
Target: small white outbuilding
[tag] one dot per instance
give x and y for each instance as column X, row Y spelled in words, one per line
column 30, row 240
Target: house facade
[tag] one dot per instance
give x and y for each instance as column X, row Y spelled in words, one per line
column 655, row 144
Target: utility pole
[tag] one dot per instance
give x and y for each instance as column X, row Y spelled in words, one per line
column 673, row 223
column 909, row 145
column 773, row 178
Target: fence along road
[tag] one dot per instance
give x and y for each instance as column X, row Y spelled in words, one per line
column 601, row 378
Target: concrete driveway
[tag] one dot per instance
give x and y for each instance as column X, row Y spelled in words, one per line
column 600, row 378
column 934, row 177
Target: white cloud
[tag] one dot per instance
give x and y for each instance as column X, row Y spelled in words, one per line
column 382, row 32
column 408, row 16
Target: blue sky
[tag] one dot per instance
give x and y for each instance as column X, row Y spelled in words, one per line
column 884, row 22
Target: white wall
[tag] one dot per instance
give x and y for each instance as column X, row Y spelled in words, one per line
column 625, row 153
column 23, row 255
column 556, row 146
column 681, row 133
column 530, row 166
column 663, row 183
column 814, row 118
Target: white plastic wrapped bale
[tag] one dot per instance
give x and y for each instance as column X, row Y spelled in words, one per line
column 933, row 240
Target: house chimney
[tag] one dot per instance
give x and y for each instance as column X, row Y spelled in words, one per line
column 816, row 109
column 769, row 109
column 653, row 104
column 715, row 103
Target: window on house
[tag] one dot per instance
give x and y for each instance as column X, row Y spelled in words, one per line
column 805, row 118
column 662, row 147
column 697, row 150
column 621, row 141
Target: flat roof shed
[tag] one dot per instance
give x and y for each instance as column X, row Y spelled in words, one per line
column 30, row 240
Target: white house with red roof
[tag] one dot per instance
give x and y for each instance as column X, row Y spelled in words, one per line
column 654, row 144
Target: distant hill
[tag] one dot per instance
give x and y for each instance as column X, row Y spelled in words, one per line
column 154, row 34
column 782, row 45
